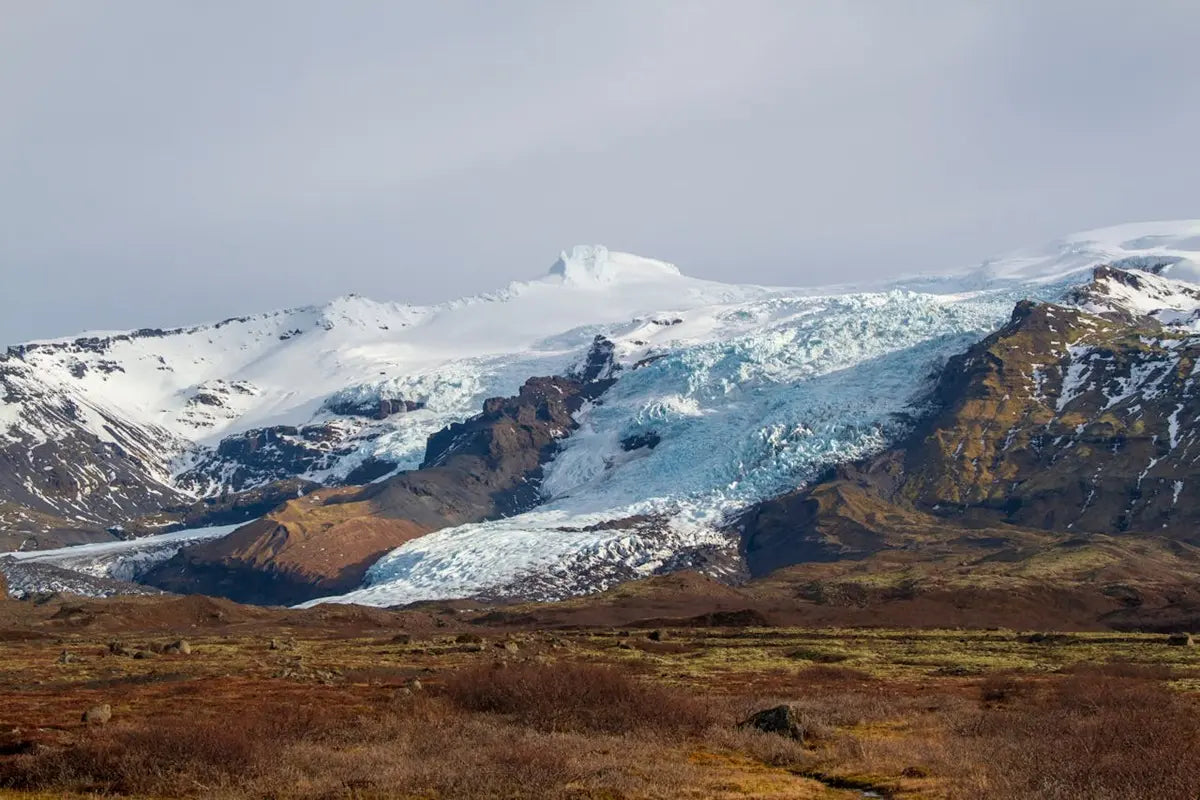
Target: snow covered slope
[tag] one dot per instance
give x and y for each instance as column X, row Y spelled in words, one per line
column 728, row 394
column 117, row 561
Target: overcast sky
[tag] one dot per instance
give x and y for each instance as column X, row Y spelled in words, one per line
column 165, row 162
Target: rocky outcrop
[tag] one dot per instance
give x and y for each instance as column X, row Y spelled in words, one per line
column 600, row 362
column 379, row 407
column 1064, row 421
column 487, row 467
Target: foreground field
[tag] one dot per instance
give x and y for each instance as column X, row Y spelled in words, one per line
column 418, row 706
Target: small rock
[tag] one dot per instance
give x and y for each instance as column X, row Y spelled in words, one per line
column 118, row 649
column 1181, row 640
column 655, row 636
column 782, row 720
column 97, row 715
column 415, row 685
column 402, row 638
column 512, row 647
column 141, row 654
column 65, row 657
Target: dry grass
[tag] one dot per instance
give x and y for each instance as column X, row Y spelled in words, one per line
column 572, row 715
column 1085, row 735
column 424, row 744
column 577, row 697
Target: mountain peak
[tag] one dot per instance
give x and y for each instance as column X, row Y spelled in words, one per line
column 596, row 265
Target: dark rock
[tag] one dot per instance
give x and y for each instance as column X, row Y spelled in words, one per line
column 781, row 720
column 370, row 469
column 650, row 359
column 599, row 362
column 648, row 440
column 380, row 407
column 1181, row 640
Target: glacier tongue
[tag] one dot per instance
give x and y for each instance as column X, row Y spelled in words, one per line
column 746, row 401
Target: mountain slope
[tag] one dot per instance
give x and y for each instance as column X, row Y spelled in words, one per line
column 726, row 397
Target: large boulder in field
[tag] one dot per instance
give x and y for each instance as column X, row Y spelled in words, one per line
column 783, row 720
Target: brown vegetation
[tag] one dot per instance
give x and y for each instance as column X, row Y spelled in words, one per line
column 1087, row 735
column 378, row 704
column 576, row 697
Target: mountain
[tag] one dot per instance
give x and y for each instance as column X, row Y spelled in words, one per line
column 723, row 410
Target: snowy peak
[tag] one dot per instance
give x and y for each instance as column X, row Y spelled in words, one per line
column 1170, row 248
column 1135, row 294
column 595, row 265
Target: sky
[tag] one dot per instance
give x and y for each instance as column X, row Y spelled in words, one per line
column 165, row 163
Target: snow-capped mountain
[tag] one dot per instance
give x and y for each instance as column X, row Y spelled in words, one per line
column 726, row 395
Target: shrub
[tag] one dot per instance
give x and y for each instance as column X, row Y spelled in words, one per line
column 575, row 697
column 1001, row 688
column 1087, row 735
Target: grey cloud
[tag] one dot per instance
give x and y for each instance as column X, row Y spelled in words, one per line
column 163, row 163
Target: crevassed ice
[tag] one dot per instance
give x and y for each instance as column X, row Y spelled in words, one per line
column 773, row 392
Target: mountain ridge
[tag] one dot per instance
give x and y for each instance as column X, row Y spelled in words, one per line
column 728, row 396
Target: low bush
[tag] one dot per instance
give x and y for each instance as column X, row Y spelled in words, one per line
column 1085, row 735
column 575, row 697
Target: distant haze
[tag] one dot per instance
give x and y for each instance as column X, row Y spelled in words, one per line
column 164, row 163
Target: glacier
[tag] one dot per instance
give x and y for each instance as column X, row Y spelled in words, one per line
column 746, row 391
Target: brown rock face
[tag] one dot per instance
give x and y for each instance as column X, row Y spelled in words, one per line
column 323, row 543
column 1065, row 421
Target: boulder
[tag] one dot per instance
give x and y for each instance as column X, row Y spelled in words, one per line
column 1181, row 640
column 97, row 715
column 180, row 647
column 781, row 720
